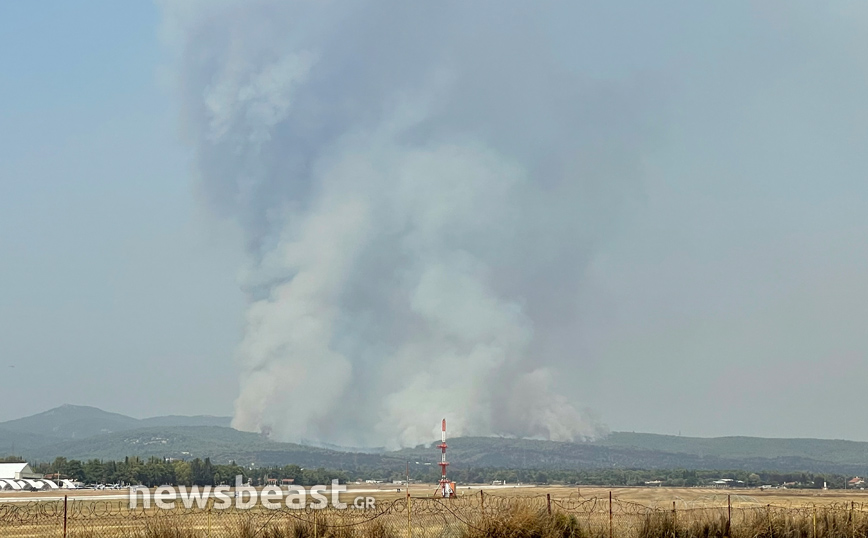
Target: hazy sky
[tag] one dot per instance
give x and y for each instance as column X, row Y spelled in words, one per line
column 116, row 292
column 727, row 294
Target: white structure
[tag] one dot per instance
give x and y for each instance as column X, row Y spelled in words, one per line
column 10, row 485
column 17, row 471
column 34, row 485
column 20, row 477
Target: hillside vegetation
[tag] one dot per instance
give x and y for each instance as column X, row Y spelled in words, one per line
column 837, row 451
column 88, row 433
column 81, row 422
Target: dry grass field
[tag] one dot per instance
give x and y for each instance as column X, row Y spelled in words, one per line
column 654, row 497
column 478, row 512
column 650, row 496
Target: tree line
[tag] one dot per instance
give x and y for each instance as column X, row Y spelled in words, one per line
column 159, row 471
column 641, row 477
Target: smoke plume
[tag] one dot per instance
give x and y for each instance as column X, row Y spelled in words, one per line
column 421, row 186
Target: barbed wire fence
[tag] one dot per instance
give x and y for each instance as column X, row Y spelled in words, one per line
column 478, row 515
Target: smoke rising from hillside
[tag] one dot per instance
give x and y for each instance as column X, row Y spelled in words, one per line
column 421, row 187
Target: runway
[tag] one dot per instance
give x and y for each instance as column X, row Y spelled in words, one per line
column 124, row 494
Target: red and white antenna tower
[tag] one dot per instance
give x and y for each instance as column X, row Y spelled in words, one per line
column 446, row 489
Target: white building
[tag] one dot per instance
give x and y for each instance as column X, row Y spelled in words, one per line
column 18, row 471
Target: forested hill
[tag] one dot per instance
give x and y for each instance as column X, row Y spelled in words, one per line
column 88, row 433
column 838, row 451
column 80, row 422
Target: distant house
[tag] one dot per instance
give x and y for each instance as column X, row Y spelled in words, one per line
column 856, row 482
column 656, row 483
column 18, row 471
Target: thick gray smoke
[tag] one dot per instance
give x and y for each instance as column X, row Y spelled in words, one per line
column 421, row 186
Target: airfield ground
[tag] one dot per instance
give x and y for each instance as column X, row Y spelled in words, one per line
column 105, row 514
column 684, row 498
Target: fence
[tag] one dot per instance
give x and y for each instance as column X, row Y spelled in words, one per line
column 480, row 515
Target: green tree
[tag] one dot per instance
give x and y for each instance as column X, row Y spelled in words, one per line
column 73, row 469
column 183, row 473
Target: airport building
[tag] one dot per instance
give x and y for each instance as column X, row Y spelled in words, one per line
column 17, row 471
column 20, row 477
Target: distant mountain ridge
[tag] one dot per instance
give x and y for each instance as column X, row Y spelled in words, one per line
column 84, row 433
column 81, row 422
column 738, row 447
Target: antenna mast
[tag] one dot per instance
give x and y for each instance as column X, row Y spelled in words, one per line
column 446, row 489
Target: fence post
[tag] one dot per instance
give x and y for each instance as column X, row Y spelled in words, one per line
column 409, row 519
column 610, row 514
column 65, row 514
column 549, row 503
column 815, row 523
column 210, row 505
column 728, row 514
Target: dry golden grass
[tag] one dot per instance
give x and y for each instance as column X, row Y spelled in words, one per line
column 659, row 497
column 508, row 512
